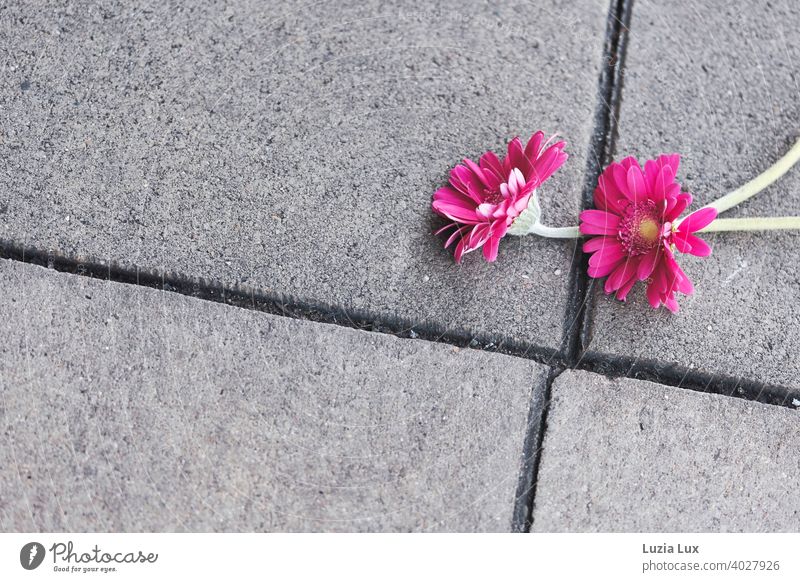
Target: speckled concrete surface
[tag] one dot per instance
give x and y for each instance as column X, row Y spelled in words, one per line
column 628, row 455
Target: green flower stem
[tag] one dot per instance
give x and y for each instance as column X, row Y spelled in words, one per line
column 758, row 183
column 745, row 224
column 555, row 231
column 719, row 225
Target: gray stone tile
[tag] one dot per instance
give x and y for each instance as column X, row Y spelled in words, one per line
column 295, row 148
column 719, row 84
column 630, row 455
column 129, row 409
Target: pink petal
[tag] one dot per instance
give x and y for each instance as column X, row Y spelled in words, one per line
column 607, row 195
column 485, row 210
column 516, row 158
column 647, row 264
column 599, row 242
column 456, row 212
column 672, row 161
column 490, row 248
column 516, row 182
column 621, row 274
column 664, row 180
column 587, row 228
column 544, row 167
column 533, row 145
column 465, row 182
column 681, row 244
column 459, row 252
column 600, row 200
column 620, row 175
column 492, row 166
column 549, row 167
column 500, row 229
column 697, row 220
column 622, row 294
column 700, row 248
column 653, row 295
column 521, row 203
column 451, row 196
column 602, row 271
column 479, row 235
column 677, row 205
column 679, row 280
column 636, row 184
column 444, row 228
column 672, row 304
column 476, row 171
column 455, row 235
column 685, row 285
column 660, row 278
column 606, row 256
column 651, row 172
column 673, row 191
column 600, row 218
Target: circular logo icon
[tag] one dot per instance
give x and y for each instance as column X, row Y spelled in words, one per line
column 31, row 555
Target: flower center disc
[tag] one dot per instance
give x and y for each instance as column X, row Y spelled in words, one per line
column 648, row 230
column 640, row 229
column 493, row 197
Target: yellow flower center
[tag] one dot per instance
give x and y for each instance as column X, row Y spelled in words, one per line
column 648, row 230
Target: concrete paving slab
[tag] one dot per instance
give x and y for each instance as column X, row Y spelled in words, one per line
column 130, row 409
column 630, row 455
column 296, row 148
column 719, row 84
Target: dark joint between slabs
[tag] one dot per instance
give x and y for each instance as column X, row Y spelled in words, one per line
column 577, row 315
column 601, row 151
column 609, row 365
column 275, row 304
column 531, row 455
column 613, row 366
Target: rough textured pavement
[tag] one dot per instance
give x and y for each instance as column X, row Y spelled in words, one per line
column 132, row 409
column 296, row 150
column 629, row 455
column 722, row 92
column 291, row 151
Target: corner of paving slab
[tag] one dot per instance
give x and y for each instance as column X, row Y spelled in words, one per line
column 632, row 455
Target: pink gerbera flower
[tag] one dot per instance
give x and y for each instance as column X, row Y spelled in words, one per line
column 637, row 230
column 483, row 199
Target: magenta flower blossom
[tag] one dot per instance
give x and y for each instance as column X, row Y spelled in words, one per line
column 482, row 200
column 637, row 234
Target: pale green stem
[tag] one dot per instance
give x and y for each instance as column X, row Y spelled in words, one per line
column 758, row 183
column 555, row 231
column 743, row 224
column 719, row 225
